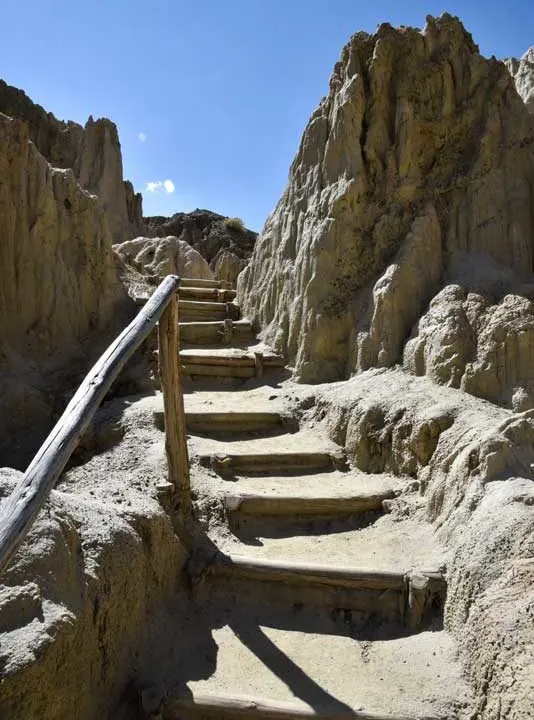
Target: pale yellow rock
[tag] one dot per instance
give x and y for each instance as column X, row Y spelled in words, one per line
column 93, row 152
column 418, row 137
column 158, row 257
column 522, row 71
column 61, row 299
column 226, row 266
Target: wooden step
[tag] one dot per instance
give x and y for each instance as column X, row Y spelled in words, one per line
column 203, row 705
column 229, row 363
column 271, row 462
column 293, row 505
column 395, row 598
column 219, row 332
column 226, row 422
column 196, row 310
column 201, row 283
column 207, row 294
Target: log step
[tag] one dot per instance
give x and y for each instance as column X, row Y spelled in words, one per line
column 195, row 310
column 223, row 332
column 201, row 283
column 272, row 462
column 397, row 599
column 202, row 706
column 226, row 422
column 275, row 505
column 210, row 294
column 229, row 363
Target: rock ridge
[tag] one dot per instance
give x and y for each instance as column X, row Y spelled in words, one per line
column 92, row 152
column 416, row 171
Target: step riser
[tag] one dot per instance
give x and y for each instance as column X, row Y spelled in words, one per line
column 206, row 708
column 269, row 464
column 360, row 607
column 197, row 282
column 219, row 371
column 186, row 316
column 213, row 335
column 286, row 508
column 203, row 294
column 226, row 423
column 400, row 600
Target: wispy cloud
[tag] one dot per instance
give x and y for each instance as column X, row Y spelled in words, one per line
column 141, row 137
column 160, row 186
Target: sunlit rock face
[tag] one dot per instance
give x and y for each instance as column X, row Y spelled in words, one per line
column 161, row 256
column 92, row 152
column 522, row 71
column 416, row 172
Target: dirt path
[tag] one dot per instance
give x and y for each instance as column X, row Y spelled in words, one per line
column 320, row 602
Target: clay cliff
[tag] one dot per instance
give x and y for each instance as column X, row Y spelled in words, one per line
column 61, row 295
column 522, row 71
column 406, row 231
column 92, row 152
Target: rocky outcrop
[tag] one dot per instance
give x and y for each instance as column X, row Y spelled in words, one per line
column 92, row 152
column 416, row 170
column 226, row 266
column 158, row 257
column 61, row 299
column 485, row 349
column 523, row 73
column 212, row 235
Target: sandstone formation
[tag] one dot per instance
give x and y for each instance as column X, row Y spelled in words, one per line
column 226, row 266
column 158, row 257
column 523, row 73
column 211, row 235
column 415, row 174
column 61, row 299
column 93, row 153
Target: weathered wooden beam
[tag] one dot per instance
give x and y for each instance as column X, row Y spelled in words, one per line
column 20, row 509
column 173, row 405
column 201, row 705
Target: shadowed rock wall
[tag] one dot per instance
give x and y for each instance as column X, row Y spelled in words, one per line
column 61, row 297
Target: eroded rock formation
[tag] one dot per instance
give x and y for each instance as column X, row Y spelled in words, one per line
column 522, row 71
column 415, row 174
column 61, row 299
column 225, row 245
column 160, row 256
column 92, row 152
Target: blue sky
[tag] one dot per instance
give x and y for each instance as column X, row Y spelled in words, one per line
column 211, row 95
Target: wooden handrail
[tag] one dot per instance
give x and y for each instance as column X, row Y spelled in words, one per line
column 19, row 510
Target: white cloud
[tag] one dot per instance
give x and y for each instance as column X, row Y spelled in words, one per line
column 141, row 137
column 159, row 185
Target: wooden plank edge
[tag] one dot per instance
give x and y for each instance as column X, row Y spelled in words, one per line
column 305, row 573
column 244, row 707
column 282, row 505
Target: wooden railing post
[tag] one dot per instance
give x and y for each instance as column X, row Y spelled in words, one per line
column 173, row 405
column 19, row 510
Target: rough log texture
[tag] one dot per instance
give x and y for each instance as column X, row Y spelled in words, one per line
column 21, row 508
column 173, row 403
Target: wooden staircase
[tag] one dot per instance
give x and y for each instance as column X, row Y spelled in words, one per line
column 318, row 604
